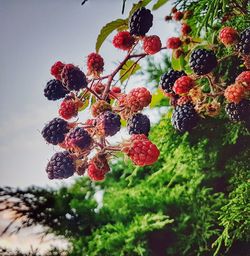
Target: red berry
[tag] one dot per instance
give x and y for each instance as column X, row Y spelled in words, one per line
column 184, row 100
column 151, row 44
column 123, row 40
column 98, row 167
column 98, row 87
column 178, row 15
column 116, row 89
column 244, row 79
column 56, row 70
column 114, row 92
column 95, row 64
column 185, row 29
column 174, row 43
column 141, row 150
column 68, row 109
column 137, row 99
column 228, row 36
column 183, row 84
column 234, row 93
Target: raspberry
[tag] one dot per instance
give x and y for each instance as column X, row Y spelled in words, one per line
column 202, row 61
column 234, row 93
column 54, row 90
column 178, row 15
column 98, row 167
column 244, row 43
column 184, row 100
column 78, row 139
column 228, row 36
column 239, row 112
column 100, row 107
column 60, row 166
column 68, row 109
column 73, row 78
column 140, row 22
column 174, row 42
column 108, row 123
column 54, row 132
column 185, row 29
column 244, row 79
column 183, row 84
column 151, row 44
column 184, row 117
column 138, row 98
column 138, row 124
column 56, row 70
column 95, row 64
column 123, row 40
column 168, row 79
column 141, row 150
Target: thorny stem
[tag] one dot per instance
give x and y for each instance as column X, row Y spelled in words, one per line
column 113, row 148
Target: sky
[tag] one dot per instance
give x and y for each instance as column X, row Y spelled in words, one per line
column 34, row 35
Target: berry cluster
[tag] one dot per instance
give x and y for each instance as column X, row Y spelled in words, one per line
column 86, row 148
column 190, row 96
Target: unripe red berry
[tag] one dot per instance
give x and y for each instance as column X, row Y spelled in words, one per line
column 183, row 84
column 185, row 29
column 174, row 43
column 244, row 79
column 228, row 36
column 178, row 15
column 123, row 40
column 56, row 70
column 95, row 64
column 98, row 167
column 168, row 17
column 151, row 44
column 68, row 109
column 234, row 93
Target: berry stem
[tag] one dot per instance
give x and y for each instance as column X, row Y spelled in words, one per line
column 113, row 148
column 94, row 93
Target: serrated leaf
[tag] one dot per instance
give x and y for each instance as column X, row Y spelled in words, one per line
column 107, row 30
column 138, row 5
column 158, row 4
column 128, row 69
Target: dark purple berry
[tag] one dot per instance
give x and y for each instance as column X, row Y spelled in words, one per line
column 54, row 90
column 138, row 124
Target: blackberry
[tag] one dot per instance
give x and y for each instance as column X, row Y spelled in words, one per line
column 54, row 132
column 54, row 90
column 239, row 112
column 202, row 61
column 168, row 79
column 184, row 117
column 73, row 78
column 60, row 166
column 244, row 43
column 108, row 123
column 140, row 22
column 138, row 124
column 79, row 138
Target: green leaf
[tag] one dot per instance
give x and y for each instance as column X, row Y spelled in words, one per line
column 128, row 69
column 107, row 30
column 159, row 4
column 178, row 63
column 157, row 97
column 123, row 123
column 138, row 5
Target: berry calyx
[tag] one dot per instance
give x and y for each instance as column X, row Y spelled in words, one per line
column 234, row 93
column 183, row 84
column 138, row 124
column 56, row 70
column 244, row 79
column 174, row 43
column 55, row 90
column 73, row 78
column 68, row 109
column 99, row 107
column 151, row 44
column 98, row 167
column 60, row 166
column 123, row 40
column 95, row 64
column 228, row 36
column 141, row 150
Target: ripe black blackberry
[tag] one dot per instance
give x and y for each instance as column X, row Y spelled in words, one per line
column 79, row 138
column 73, row 78
column 60, row 166
column 138, row 124
column 140, row 22
column 54, row 132
column 244, row 43
column 55, row 90
column 202, row 61
column 184, row 117
column 239, row 112
column 108, row 123
column 168, row 79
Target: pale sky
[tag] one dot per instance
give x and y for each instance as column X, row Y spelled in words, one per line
column 35, row 34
